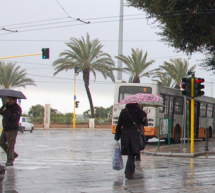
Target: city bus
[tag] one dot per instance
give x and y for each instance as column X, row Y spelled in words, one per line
column 173, row 108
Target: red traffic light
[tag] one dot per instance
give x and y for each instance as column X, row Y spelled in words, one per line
column 200, row 80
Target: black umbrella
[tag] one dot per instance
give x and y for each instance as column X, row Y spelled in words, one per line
column 5, row 92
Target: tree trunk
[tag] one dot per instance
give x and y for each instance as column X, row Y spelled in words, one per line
column 136, row 80
column 86, row 77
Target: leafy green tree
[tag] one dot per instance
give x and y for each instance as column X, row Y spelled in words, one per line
column 68, row 118
column 136, row 65
column 88, row 57
column 99, row 112
column 188, row 26
column 13, row 77
column 177, row 69
column 36, row 113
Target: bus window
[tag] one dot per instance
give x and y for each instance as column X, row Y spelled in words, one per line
column 178, row 109
column 210, row 110
column 125, row 91
column 203, row 109
column 166, row 107
column 161, row 109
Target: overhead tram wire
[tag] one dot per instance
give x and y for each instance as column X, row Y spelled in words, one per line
column 107, row 21
column 14, row 25
column 68, row 26
column 165, row 12
column 111, row 41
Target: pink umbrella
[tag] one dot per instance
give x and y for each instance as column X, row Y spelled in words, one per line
column 144, row 99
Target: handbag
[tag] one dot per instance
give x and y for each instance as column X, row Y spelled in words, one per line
column 117, row 157
column 142, row 138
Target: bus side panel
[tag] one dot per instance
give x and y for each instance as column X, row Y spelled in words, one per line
column 205, row 123
column 151, row 131
column 201, row 133
column 113, row 129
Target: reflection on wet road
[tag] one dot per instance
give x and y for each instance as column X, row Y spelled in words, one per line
column 81, row 161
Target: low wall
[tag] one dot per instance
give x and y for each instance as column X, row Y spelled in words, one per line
column 77, row 125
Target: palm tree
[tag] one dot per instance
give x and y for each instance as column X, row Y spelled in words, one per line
column 13, row 77
column 88, row 57
column 177, row 69
column 164, row 78
column 136, row 65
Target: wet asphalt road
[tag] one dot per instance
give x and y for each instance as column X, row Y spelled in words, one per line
column 80, row 161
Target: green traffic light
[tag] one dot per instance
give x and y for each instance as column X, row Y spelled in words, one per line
column 45, row 53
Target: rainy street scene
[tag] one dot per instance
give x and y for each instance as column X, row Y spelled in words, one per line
column 80, row 161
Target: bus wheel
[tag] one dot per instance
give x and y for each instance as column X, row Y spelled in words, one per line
column 177, row 134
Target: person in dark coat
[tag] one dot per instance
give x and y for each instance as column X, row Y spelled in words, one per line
column 145, row 123
column 128, row 133
column 11, row 114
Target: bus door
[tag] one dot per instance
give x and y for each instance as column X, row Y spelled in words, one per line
column 168, row 113
column 213, row 121
column 196, row 119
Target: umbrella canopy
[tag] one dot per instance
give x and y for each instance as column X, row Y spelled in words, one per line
column 153, row 100
column 6, row 92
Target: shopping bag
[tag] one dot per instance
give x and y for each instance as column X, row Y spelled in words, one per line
column 117, row 157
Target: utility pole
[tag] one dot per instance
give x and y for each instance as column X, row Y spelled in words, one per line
column 74, row 98
column 192, row 114
column 120, row 42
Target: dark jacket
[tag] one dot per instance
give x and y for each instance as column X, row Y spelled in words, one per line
column 11, row 117
column 128, row 132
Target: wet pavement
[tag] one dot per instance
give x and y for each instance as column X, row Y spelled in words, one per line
column 80, row 161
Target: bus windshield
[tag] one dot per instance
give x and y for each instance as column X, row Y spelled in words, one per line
column 125, row 91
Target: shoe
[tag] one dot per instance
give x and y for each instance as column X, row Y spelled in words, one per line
column 15, row 155
column 129, row 176
column 9, row 164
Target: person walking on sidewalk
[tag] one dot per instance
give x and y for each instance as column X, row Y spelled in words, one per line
column 11, row 114
column 144, row 123
column 128, row 133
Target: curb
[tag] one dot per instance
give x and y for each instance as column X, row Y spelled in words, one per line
column 184, row 155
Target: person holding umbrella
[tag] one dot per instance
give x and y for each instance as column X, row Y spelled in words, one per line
column 127, row 131
column 144, row 123
column 11, row 112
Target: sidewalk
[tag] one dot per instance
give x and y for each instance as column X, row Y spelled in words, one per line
column 182, row 150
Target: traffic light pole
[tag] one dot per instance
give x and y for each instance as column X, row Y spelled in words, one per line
column 192, row 114
column 20, row 56
column 74, row 98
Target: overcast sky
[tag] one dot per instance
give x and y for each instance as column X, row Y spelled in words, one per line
column 45, row 24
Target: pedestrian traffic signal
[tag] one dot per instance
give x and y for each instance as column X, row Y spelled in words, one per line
column 45, row 53
column 186, row 86
column 198, row 86
column 76, row 104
